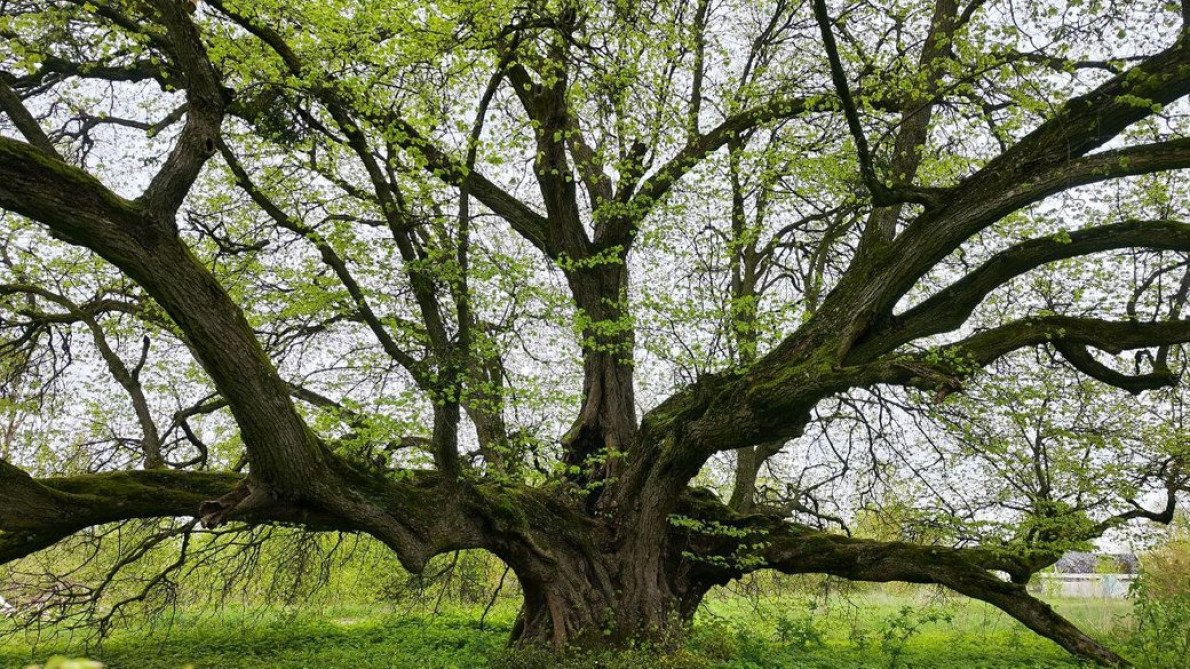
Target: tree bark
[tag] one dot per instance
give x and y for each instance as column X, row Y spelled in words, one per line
column 607, row 420
column 580, row 595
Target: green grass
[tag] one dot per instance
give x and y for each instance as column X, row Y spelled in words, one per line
column 872, row 630
column 275, row 641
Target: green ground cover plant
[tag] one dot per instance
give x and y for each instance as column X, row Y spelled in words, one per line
column 878, row 629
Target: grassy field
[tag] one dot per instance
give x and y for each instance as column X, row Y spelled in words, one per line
column 876, row 629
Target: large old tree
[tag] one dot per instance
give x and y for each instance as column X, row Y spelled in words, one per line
column 512, row 275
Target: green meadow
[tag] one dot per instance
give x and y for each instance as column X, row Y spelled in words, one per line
column 879, row 628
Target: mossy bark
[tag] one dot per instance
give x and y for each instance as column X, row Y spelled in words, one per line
column 599, row 580
column 579, row 595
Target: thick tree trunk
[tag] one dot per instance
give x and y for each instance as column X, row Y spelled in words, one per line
column 605, row 600
column 577, row 595
column 607, row 421
column 609, row 601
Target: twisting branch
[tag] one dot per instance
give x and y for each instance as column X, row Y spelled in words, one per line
column 129, row 379
column 1082, row 360
column 950, row 307
column 1175, row 477
column 944, row 368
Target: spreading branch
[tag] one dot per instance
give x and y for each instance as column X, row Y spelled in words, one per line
column 944, row 368
column 952, row 306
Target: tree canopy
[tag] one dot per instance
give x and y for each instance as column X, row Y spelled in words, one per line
column 640, row 297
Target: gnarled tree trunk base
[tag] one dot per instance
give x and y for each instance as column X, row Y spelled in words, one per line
column 648, row 591
column 583, row 618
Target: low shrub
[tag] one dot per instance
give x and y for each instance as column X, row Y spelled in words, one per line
column 1162, row 617
column 1165, row 571
column 800, row 632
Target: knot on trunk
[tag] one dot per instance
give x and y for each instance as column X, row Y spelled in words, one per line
column 241, row 501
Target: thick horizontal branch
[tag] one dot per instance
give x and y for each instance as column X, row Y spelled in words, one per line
column 798, row 553
column 421, row 518
column 767, row 542
column 944, row 368
column 35, row 513
column 773, row 399
column 1110, row 336
column 952, row 306
column 975, row 206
